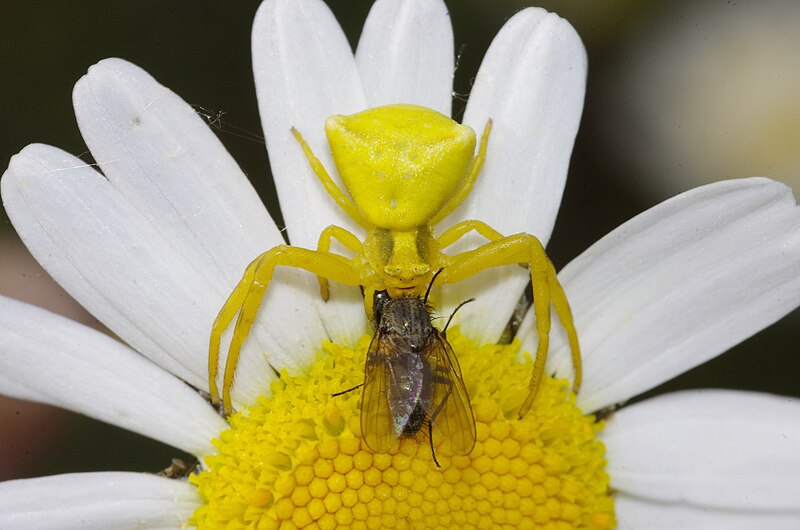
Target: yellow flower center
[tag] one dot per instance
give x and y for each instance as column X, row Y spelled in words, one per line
column 297, row 460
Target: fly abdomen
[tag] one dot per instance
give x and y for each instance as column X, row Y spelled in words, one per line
column 415, row 421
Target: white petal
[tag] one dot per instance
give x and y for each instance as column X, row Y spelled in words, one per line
column 680, row 284
column 165, row 160
column 305, row 72
column 531, row 84
column 101, row 501
column 13, row 388
column 167, row 163
column 635, row 514
column 109, row 258
column 405, row 54
column 708, row 449
column 120, row 267
column 54, row 360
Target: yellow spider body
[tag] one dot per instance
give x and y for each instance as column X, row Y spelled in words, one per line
column 401, row 177
column 405, row 168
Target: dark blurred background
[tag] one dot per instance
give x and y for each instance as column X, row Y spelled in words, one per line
column 679, row 94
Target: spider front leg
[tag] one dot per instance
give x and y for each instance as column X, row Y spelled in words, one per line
column 459, row 230
column 246, row 298
column 520, row 248
column 221, row 323
column 346, row 238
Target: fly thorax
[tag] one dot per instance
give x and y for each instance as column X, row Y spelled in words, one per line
column 406, row 323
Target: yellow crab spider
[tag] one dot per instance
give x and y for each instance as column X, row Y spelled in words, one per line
column 405, row 169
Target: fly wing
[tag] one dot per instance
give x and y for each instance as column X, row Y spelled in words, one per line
column 376, row 417
column 449, row 410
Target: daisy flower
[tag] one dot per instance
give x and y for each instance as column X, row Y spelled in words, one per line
column 153, row 245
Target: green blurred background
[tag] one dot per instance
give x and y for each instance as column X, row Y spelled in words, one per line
column 655, row 123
